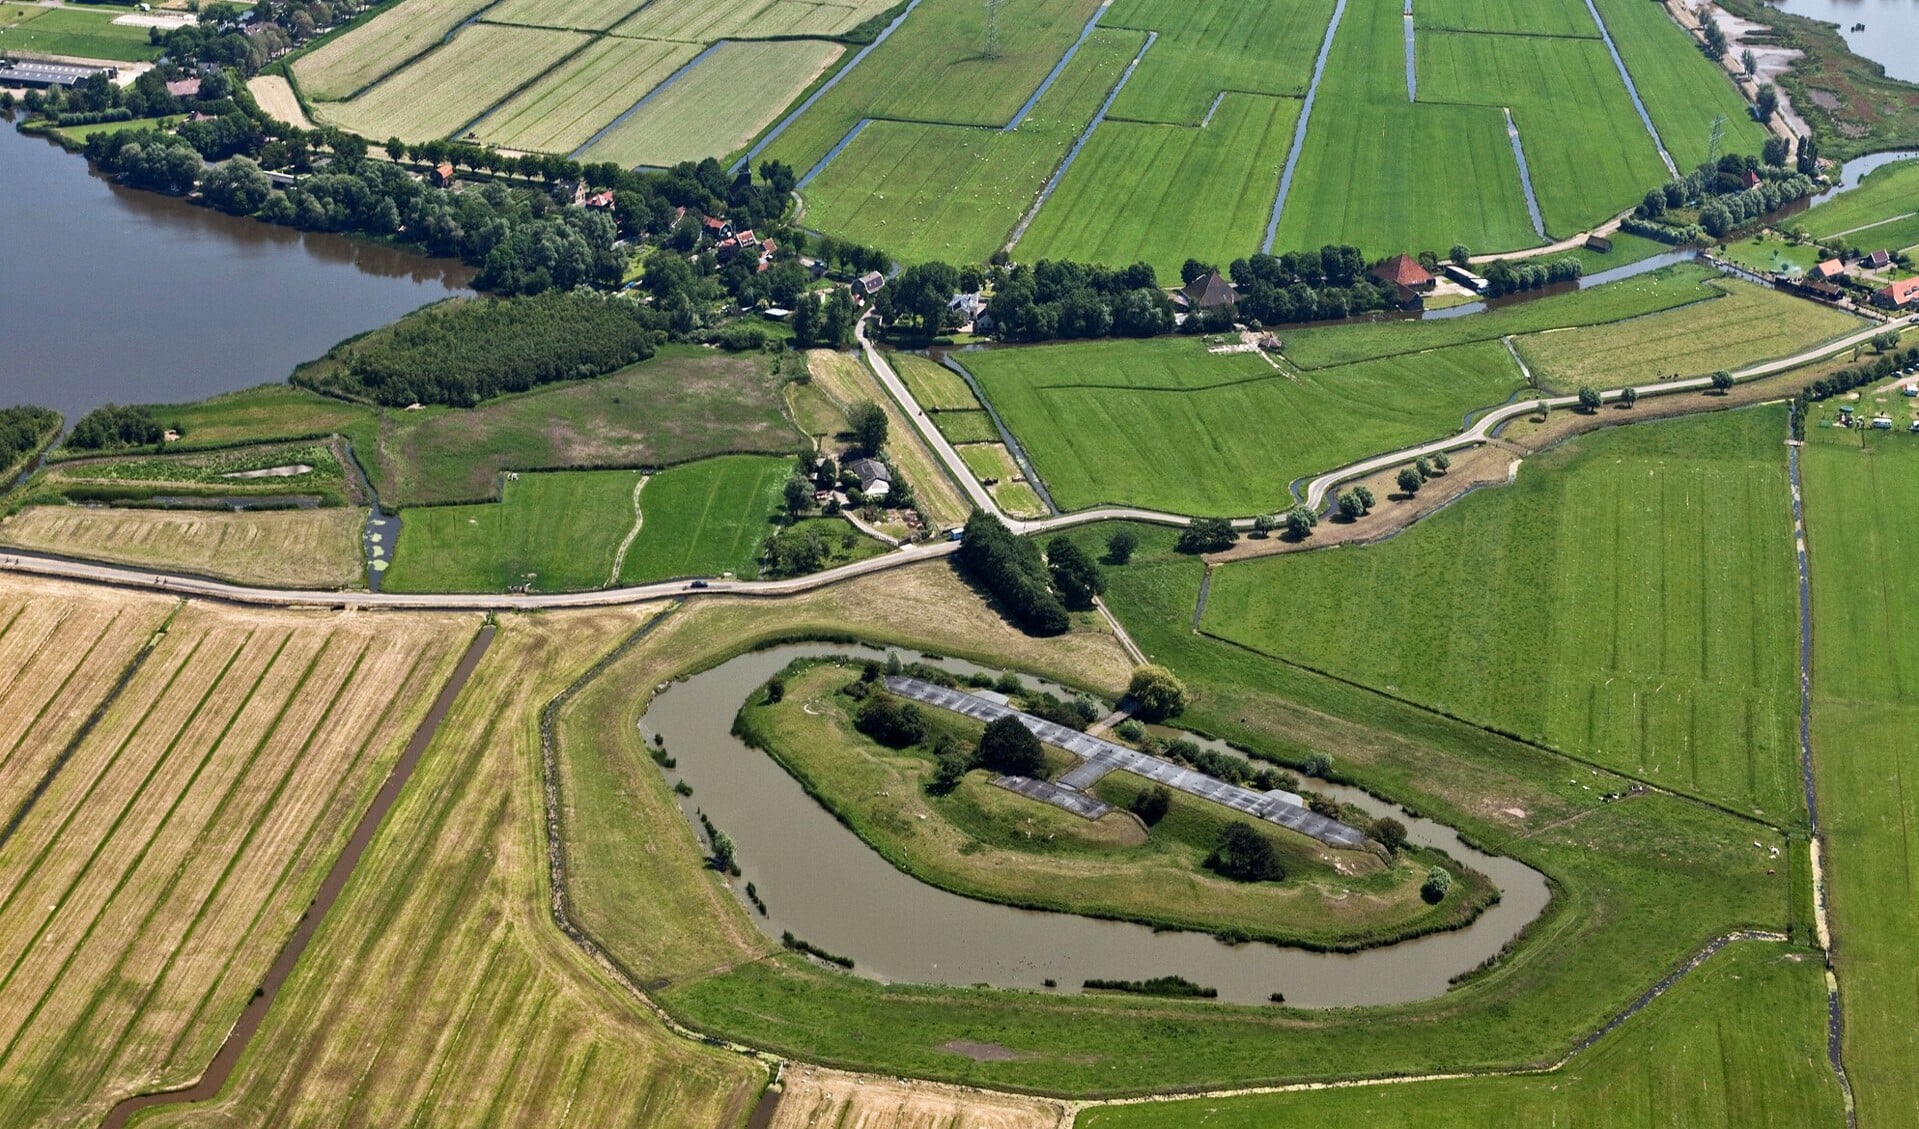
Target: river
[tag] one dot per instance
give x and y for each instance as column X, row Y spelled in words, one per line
column 116, row 295
column 1891, row 35
column 823, row 883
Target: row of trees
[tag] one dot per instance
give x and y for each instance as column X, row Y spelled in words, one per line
column 1012, row 571
column 112, row 425
column 22, row 430
column 463, row 352
column 1510, row 276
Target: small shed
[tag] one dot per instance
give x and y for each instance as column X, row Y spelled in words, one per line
column 442, row 175
column 1599, row 243
column 1878, row 260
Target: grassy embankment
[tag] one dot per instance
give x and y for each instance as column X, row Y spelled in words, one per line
column 1860, row 491
column 192, row 800
column 1165, row 424
column 1639, row 884
column 438, row 990
column 1751, row 323
column 1734, row 1046
column 986, row 842
column 1621, row 601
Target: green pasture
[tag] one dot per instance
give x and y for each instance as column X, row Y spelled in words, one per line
column 1649, row 293
column 1505, row 17
column 1888, row 192
column 918, row 74
column 1163, row 423
column 1751, row 323
column 1588, row 152
column 954, row 192
column 1244, row 46
column 75, row 31
column 1767, row 252
column 706, row 518
column 1387, row 175
column 933, row 384
column 966, row 427
column 556, row 532
column 1625, row 600
column 1738, row 1043
column 1639, row 885
column 1162, row 193
column 1684, row 91
column 1861, row 491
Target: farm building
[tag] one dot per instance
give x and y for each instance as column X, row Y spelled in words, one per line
column 1208, row 291
column 442, row 175
column 1408, row 279
column 1832, row 270
column 876, row 481
column 600, row 200
column 1465, row 278
column 868, row 284
column 1898, row 295
column 717, row 227
column 41, row 75
column 1878, row 260
column 1599, row 243
column 184, row 88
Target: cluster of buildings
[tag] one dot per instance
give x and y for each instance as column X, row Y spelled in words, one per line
column 1832, row 278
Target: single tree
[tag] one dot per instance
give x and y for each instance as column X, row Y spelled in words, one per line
column 950, row 768
column 1438, row 881
column 1722, row 382
column 1245, row 855
column 1775, row 152
column 1120, row 546
column 1629, row 396
column 869, row 427
column 1588, row 398
column 1388, row 833
column 723, row 851
column 1157, row 693
column 1425, row 468
column 1365, row 496
column 1766, row 103
column 1409, row 481
column 1750, row 63
column 1442, row 462
column 1350, row 507
column 1263, row 525
column 1300, row 522
column 1460, row 254
column 1152, row 804
column 1885, row 342
column 1009, row 747
column 798, row 494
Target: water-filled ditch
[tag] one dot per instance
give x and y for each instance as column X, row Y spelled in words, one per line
column 826, row 886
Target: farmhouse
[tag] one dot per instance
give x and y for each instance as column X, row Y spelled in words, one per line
column 600, row 200
column 1404, row 274
column 1832, row 270
column 442, row 175
column 717, row 227
column 184, row 88
column 876, row 481
column 1898, row 295
column 1208, row 291
column 868, row 284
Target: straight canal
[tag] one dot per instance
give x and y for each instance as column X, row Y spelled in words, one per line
column 826, row 886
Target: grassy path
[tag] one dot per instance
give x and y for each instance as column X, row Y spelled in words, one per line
column 639, row 519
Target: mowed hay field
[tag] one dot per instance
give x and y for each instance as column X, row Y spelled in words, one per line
column 845, row 380
column 1627, row 600
column 1243, row 46
column 1684, row 91
column 1387, row 175
column 563, row 110
column 555, row 531
column 815, row 1096
column 438, row 991
column 585, row 15
column 1163, row 423
column 343, row 66
column 1735, row 1045
column 719, row 105
column 1208, row 195
column 1860, row 494
column 441, row 92
column 955, row 193
column 706, row 518
column 1751, row 323
column 176, row 841
column 1508, row 17
column 1587, row 151
column 283, row 548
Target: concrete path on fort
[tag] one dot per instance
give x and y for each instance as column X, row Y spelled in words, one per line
column 1316, row 493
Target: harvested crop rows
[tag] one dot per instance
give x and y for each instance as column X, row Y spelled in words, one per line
column 583, row 15
column 563, row 110
column 283, row 548
column 719, row 105
column 441, row 92
column 342, row 67
column 151, row 883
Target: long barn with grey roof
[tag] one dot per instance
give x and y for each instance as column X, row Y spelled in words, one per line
column 1099, row 757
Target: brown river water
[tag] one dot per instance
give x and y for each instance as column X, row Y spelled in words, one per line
column 823, row 883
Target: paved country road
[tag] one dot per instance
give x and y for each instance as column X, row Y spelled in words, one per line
column 1316, row 492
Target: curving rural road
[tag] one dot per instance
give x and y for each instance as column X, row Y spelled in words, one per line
column 1316, row 492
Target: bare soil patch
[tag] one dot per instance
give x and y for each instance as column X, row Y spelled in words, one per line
column 817, row 1097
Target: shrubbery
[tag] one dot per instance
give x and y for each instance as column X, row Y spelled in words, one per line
column 891, row 722
column 465, row 352
column 1245, row 855
column 112, row 426
column 1011, row 569
column 23, row 429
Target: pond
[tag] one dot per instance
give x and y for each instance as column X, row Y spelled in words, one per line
column 823, row 883
column 111, row 294
column 1890, row 34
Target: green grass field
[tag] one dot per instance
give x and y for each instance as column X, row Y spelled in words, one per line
column 914, row 74
column 954, row 192
column 1886, row 193
column 346, row 64
column 1860, row 493
column 584, row 15
column 1506, row 17
column 1165, row 424
column 1736, row 1044
column 719, row 105
column 933, row 384
column 1751, row 323
column 1356, row 183
column 563, row 110
column 1165, row 193
column 1684, row 91
column 441, row 92
column 556, row 531
column 1621, row 601
column 1588, row 152
column 706, row 518
column 1769, row 252
column 966, row 427
column 79, row 32
column 1243, row 46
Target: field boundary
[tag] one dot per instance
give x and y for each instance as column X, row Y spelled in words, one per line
column 469, row 127
column 1625, row 76
column 1299, row 130
column 636, row 107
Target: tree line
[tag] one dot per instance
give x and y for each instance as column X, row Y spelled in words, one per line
column 462, row 352
column 22, row 430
